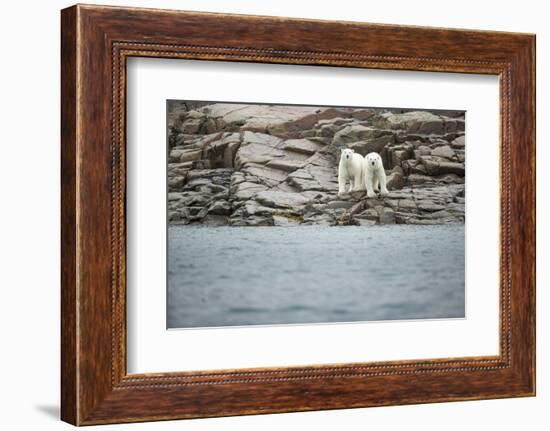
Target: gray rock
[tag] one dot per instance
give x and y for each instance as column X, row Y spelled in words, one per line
column 340, row 204
column 356, row 132
column 317, row 178
column 363, row 114
column 431, row 165
column 365, row 222
column 217, row 176
column 246, row 190
column 326, row 131
column 295, row 128
column 201, row 164
column 324, row 160
column 304, row 146
column 265, row 174
column 192, row 126
column 421, row 122
column 280, row 199
column 424, row 150
column 406, row 204
column 252, row 207
column 320, row 220
column 369, row 214
column 386, row 216
column 220, row 207
column 251, row 221
column 180, row 169
column 417, row 179
column 256, row 117
column 444, row 151
column 412, row 166
column 441, row 214
column 451, row 168
column 175, row 183
column 327, row 128
column 376, row 145
column 175, row 155
column 436, row 167
column 399, row 154
column 374, row 202
column 285, row 164
column 449, row 179
column 257, row 148
column 188, row 156
column 396, row 179
column 221, row 151
column 430, row 206
column 459, row 142
column 281, row 220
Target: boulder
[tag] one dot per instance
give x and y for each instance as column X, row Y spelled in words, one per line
column 459, row 142
column 444, row 151
column 376, row 145
column 421, row 122
column 220, row 207
column 356, row 132
column 396, row 179
column 451, row 168
column 190, row 155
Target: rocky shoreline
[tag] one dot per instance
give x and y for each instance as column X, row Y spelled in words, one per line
column 269, row 165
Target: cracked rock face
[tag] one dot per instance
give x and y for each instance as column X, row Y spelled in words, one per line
column 274, row 165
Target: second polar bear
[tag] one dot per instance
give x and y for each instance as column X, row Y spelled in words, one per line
column 375, row 175
column 350, row 169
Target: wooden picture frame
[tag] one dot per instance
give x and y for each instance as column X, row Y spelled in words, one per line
column 95, row 43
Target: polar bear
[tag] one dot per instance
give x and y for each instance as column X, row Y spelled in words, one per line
column 350, row 169
column 375, row 175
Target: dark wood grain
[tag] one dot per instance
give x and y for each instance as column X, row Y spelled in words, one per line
column 96, row 41
column 68, row 218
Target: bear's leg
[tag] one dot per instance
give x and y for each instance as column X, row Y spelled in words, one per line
column 341, row 182
column 369, row 182
column 382, row 178
column 358, row 183
column 376, row 185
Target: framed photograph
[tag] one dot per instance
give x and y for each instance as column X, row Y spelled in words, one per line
column 263, row 214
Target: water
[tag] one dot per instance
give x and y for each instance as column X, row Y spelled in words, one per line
column 224, row 276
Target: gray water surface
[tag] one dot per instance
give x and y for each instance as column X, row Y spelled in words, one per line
column 225, row 276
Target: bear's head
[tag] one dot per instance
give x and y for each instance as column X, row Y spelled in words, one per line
column 374, row 160
column 347, row 154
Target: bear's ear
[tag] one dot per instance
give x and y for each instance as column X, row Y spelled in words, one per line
column 352, row 150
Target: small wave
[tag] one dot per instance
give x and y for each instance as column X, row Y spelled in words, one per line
column 247, row 310
column 293, row 308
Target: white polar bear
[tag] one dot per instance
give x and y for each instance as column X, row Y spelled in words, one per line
column 350, row 169
column 375, row 175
